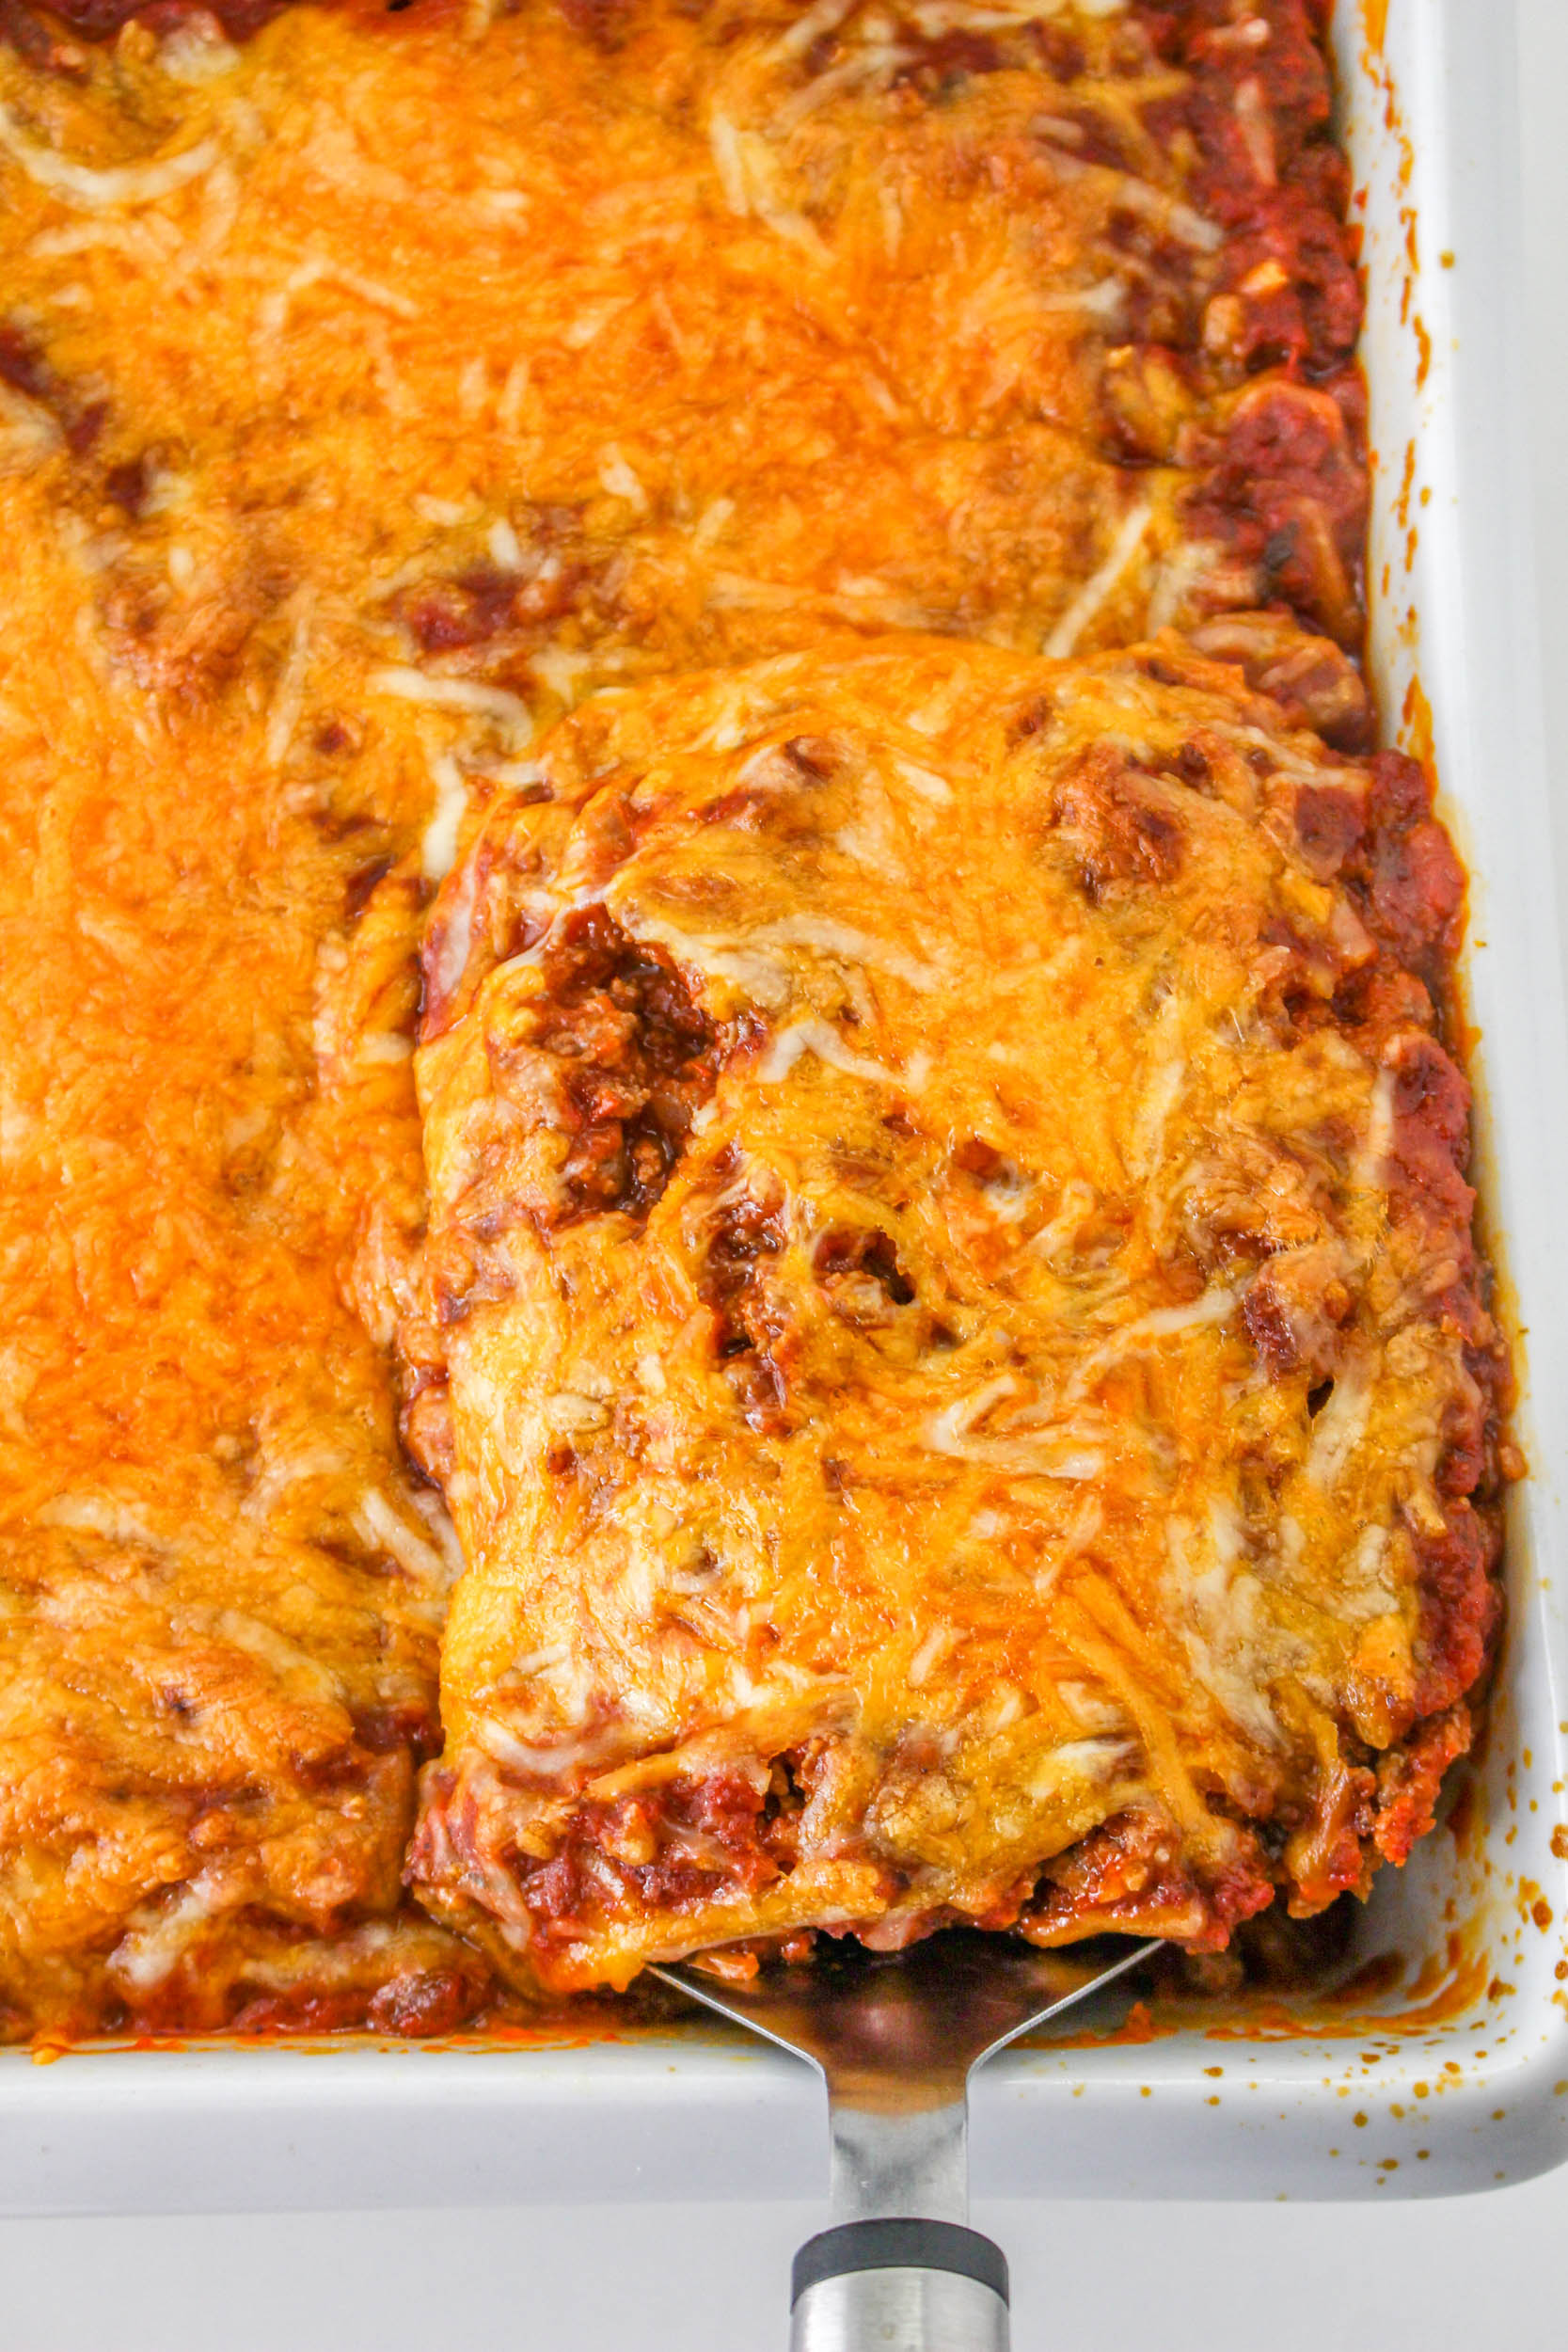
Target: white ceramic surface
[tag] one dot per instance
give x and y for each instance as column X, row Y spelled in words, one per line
column 362, row 2125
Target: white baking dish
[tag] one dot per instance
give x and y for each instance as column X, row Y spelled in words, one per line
column 1381, row 2100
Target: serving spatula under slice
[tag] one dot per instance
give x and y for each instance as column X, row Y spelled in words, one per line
column 896, row 2038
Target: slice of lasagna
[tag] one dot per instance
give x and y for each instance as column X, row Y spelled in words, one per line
column 950, row 1298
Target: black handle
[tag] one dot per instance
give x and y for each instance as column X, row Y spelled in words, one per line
column 910, row 2244
column 899, row 2286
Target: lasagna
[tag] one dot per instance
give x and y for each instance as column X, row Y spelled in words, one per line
column 390, row 398
column 958, row 1311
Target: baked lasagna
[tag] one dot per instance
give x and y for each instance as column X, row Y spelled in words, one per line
column 405, row 408
column 957, row 1313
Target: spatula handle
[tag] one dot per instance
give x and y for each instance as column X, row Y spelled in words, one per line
column 899, row 2286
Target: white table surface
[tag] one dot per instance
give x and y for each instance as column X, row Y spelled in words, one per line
column 1099, row 2278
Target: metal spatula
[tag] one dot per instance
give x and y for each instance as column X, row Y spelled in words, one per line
column 895, row 2039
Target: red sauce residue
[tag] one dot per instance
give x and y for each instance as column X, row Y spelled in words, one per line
column 1133, row 2031
column 1407, row 485
column 583, row 2026
column 1271, row 2021
column 1374, row 22
column 1449, row 1985
column 1424, row 367
column 1416, row 732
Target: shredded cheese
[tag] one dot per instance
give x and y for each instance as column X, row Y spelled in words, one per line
column 111, row 189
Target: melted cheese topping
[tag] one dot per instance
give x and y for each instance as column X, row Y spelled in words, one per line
column 953, row 1374
column 659, row 354
column 369, row 394
column 222, row 1590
